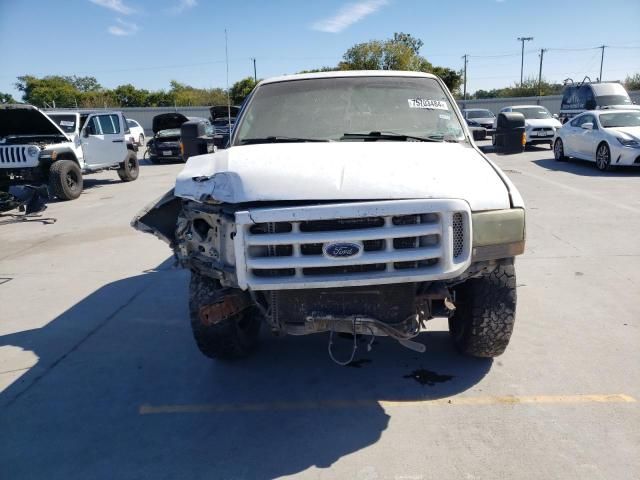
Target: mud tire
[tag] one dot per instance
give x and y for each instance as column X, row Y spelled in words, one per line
column 228, row 340
column 65, row 180
column 483, row 321
column 130, row 168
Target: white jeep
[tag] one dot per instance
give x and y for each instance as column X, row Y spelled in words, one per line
column 352, row 202
column 58, row 148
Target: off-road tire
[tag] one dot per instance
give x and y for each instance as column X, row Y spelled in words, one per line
column 227, row 340
column 130, row 168
column 482, row 323
column 65, row 180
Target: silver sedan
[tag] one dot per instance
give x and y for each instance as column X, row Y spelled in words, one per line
column 610, row 138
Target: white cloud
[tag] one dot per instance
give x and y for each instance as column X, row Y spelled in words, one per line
column 123, row 29
column 115, row 5
column 182, row 6
column 348, row 15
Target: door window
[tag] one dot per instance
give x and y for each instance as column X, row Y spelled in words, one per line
column 109, row 124
column 93, row 127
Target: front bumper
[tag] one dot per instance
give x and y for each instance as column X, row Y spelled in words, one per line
column 625, row 156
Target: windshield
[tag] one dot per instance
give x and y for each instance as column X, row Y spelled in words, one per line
column 480, row 114
column 67, row 123
column 626, row 119
column 605, row 100
column 533, row 113
column 327, row 108
column 172, row 132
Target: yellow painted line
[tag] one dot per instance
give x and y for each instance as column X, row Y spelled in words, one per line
column 333, row 404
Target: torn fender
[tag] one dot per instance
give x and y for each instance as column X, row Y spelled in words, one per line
column 160, row 218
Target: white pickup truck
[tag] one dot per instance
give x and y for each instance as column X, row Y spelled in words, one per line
column 352, row 202
column 58, row 148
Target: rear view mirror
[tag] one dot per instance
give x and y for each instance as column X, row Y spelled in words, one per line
column 587, row 126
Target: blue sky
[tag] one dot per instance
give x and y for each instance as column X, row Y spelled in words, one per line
column 148, row 43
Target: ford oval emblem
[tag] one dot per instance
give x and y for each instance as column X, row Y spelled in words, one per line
column 342, row 250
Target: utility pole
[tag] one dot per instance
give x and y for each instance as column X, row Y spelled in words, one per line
column 542, row 50
column 255, row 75
column 523, row 39
column 601, row 60
column 464, row 95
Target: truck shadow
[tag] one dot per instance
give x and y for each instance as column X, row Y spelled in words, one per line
column 119, row 390
column 585, row 168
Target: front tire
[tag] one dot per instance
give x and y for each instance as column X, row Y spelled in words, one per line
column 603, row 157
column 482, row 323
column 233, row 338
column 65, row 180
column 558, row 150
column 129, row 169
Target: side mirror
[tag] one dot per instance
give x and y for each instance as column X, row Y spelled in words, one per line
column 85, row 133
column 587, row 126
column 555, row 115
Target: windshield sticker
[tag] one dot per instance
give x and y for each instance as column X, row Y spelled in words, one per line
column 444, row 117
column 428, row 104
column 66, row 123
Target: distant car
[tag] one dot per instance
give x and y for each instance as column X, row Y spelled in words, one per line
column 165, row 144
column 483, row 117
column 608, row 137
column 221, row 120
column 540, row 125
column 478, row 132
column 136, row 132
column 578, row 98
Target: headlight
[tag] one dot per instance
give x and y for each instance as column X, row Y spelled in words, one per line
column 498, row 234
column 628, row 143
column 33, row 151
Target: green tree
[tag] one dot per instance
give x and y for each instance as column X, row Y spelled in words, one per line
column 129, row 96
column 6, row 98
column 241, row 89
column 84, row 84
column 47, row 91
column 632, row 82
column 402, row 52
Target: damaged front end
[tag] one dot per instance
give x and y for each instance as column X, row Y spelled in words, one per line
column 273, row 260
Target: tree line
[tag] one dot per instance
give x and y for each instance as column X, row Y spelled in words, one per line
column 401, row 52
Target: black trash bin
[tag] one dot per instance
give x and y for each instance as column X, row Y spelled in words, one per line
column 196, row 140
column 509, row 136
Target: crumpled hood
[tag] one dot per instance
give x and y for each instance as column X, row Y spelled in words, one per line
column 344, row 171
column 17, row 119
column 629, row 133
column 542, row 122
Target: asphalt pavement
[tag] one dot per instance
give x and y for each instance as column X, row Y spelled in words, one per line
column 100, row 377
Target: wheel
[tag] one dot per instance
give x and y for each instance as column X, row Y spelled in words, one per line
column 558, row 151
column 482, row 323
column 603, row 157
column 229, row 339
column 141, row 140
column 129, row 169
column 65, row 180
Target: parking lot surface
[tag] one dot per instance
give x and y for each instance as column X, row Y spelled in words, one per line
column 100, row 377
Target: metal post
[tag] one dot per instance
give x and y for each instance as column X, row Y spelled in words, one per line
column 255, row 74
column 542, row 50
column 523, row 39
column 226, row 55
column 601, row 61
column 464, row 95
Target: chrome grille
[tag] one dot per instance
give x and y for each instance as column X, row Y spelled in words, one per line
column 400, row 241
